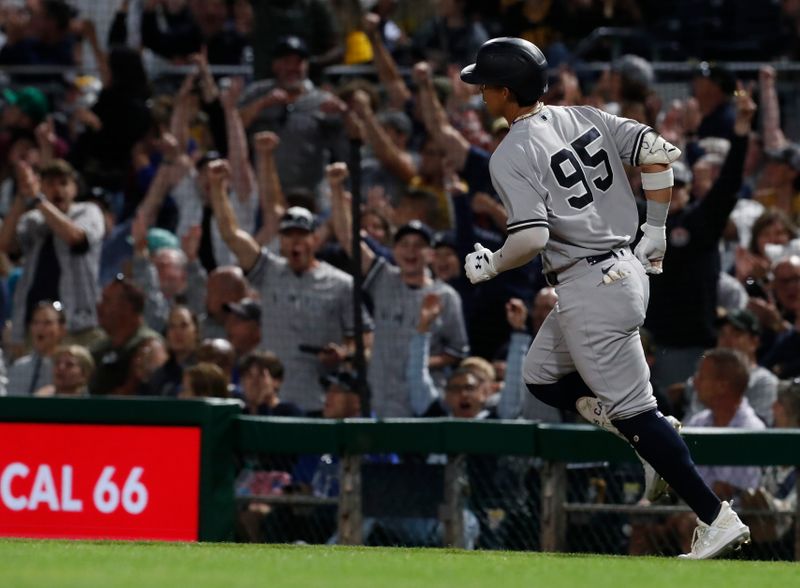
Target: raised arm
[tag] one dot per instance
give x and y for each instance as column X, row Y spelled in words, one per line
column 397, row 161
column 421, row 388
column 388, row 73
column 145, row 275
column 510, row 404
column 62, row 226
column 239, row 241
column 436, row 121
column 46, row 140
column 179, row 120
column 243, row 177
column 174, row 165
column 771, row 113
column 89, row 33
column 8, row 230
column 270, row 192
column 341, row 216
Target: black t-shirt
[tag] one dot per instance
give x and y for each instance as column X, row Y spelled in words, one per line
column 45, row 278
column 683, row 300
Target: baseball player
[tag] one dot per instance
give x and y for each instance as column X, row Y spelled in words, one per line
column 560, row 175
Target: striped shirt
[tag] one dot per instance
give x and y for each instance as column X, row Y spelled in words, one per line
column 78, row 286
column 313, row 308
column 28, row 374
column 396, row 315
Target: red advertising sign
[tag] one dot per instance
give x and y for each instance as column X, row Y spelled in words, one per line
column 99, row 481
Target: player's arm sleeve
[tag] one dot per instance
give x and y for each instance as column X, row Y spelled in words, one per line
column 626, row 134
column 520, row 248
column 522, row 200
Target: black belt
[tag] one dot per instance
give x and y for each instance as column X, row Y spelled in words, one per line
column 552, row 277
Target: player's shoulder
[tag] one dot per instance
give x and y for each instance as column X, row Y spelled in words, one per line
column 578, row 114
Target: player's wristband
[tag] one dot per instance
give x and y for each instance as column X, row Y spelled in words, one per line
column 658, row 180
column 657, row 213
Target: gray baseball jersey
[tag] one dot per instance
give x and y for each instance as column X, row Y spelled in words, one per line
column 396, row 313
column 314, row 308
column 562, row 168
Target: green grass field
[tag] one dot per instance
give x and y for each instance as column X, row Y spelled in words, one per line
column 56, row 564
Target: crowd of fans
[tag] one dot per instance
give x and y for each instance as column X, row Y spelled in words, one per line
column 196, row 239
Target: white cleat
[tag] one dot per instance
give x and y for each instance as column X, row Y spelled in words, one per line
column 593, row 411
column 726, row 533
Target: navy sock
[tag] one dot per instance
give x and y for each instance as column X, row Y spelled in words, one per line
column 657, row 442
column 562, row 394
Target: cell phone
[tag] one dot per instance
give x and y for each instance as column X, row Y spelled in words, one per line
column 315, row 349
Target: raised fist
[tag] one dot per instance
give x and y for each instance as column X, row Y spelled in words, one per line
column 337, row 173
column 266, row 141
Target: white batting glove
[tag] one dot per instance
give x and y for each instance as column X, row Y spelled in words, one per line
column 651, row 249
column 479, row 266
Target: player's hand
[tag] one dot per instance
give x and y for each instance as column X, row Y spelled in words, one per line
column 479, row 265
column 651, row 249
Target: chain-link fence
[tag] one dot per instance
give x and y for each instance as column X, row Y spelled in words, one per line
column 476, row 501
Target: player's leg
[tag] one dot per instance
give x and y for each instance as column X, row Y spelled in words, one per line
column 600, row 323
column 549, row 372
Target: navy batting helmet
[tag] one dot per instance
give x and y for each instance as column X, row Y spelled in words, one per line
column 516, row 64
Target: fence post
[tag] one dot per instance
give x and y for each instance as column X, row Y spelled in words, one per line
column 554, row 517
column 350, row 516
column 797, row 518
column 451, row 513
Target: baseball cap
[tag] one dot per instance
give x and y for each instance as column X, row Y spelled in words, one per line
column 444, row 239
column 741, row 319
column 291, row 45
column 414, row 227
column 246, row 309
column 634, row 68
column 297, row 217
column 344, row 379
column 29, row 100
column 718, row 74
column 158, row 238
